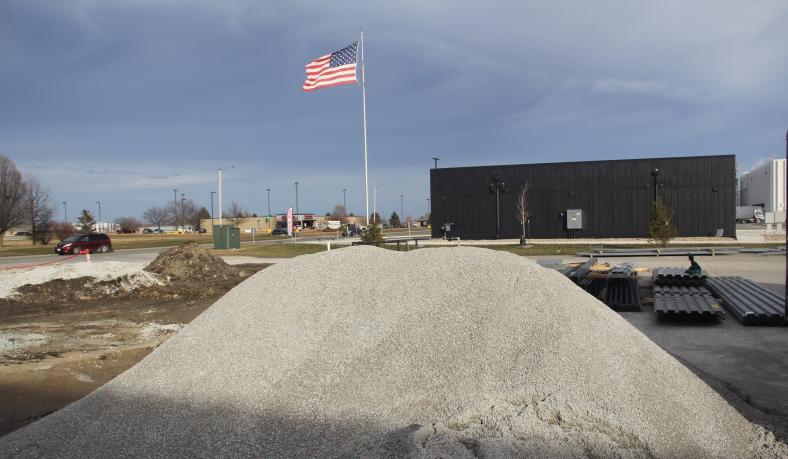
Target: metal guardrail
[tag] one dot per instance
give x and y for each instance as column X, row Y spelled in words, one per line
column 677, row 276
column 683, row 301
column 750, row 303
column 398, row 240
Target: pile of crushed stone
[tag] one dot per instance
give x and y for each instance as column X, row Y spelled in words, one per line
column 97, row 271
column 191, row 262
column 365, row 352
column 186, row 271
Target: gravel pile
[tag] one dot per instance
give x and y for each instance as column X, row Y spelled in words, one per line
column 11, row 280
column 453, row 352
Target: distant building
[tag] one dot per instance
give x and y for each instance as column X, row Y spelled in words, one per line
column 265, row 224
column 765, row 186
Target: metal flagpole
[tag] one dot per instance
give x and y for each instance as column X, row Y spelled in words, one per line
column 364, row 112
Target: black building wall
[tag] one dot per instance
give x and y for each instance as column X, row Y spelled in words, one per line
column 615, row 197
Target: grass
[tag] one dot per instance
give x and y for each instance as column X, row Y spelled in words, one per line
column 285, row 250
column 565, row 249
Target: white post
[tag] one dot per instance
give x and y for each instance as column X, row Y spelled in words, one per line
column 220, row 197
column 364, row 113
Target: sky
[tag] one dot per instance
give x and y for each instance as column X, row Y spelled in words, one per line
column 124, row 101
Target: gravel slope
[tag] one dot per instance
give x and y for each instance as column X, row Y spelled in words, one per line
column 435, row 353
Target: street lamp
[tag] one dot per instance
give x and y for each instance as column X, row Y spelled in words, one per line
column 181, row 215
column 296, row 185
column 221, row 221
column 101, row 225
column 65, row 212
column 212, row 223
column 268, row 191
column 344, row 198
column 428, row 207
column 655, row 173
column 401, row 211
column 436, row 161
column 497, row 186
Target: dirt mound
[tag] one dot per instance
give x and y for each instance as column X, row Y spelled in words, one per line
column 190, row 262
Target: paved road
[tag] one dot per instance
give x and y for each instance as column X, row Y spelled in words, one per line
column 144, row 255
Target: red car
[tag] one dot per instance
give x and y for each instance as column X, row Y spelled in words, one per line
column 78, row 242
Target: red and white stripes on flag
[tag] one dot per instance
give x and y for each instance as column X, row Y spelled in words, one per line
column 332, row 69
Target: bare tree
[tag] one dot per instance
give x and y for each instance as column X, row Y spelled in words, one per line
column 522, row 208
column 12, row 196
column 339, row 213
column 236, row 213
column 128, row 224
column 40, row 211
column 63, row 230
column 156, row 216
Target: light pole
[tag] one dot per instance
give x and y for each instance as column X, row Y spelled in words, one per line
column 655, row 173
column 401, row 210
column 344, row 198
column 212, row 223
column 175, row 208
column 436, row 161
column 268, row 192
column 65, row 212
column 183, row 199
column 429, row 212
column 296, row 185
column 221, row 222
column 101, row 225
column 497, row 186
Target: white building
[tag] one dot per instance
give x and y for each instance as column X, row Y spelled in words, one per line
column 765, row 186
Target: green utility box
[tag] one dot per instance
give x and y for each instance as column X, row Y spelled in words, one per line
column 226, row 237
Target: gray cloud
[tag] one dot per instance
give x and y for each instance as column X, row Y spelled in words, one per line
column 164, row 92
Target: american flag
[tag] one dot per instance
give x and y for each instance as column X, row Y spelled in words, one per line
column 332, row 69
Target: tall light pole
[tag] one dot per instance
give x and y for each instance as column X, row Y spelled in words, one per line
column 436, row 161
column 101, row 225
column 296, row 185
column 428, row 207
column 212, row 223
column 221, row 222
column 401, row 210
column 497, row 187
column 175, row 208
column 65, row 212
column 268, row 192
column 344, row 198
column 183, row 199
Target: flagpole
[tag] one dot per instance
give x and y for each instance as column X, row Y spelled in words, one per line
column 364, row 113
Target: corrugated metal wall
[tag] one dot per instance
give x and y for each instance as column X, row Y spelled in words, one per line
column 615, row 197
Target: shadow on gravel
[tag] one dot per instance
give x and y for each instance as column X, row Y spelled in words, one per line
column 157, row 427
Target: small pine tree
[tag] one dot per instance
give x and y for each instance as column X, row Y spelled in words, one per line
column 661, row 228
column 394, row 220
column 86, row 222
column 373, row 233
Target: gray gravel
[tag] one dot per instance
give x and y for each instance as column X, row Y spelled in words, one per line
column 435, row 353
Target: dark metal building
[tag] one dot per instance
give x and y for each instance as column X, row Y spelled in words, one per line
column 614, row 197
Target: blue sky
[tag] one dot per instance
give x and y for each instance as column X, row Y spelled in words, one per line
column 123, row 101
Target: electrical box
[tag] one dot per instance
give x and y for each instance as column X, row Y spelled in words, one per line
column 226, row 237
column 574, row 219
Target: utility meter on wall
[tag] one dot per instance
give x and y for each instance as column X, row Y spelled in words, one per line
column 574, row 219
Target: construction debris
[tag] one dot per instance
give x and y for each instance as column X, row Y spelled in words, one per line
column 750, row 303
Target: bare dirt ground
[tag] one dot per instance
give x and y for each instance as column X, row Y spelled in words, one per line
column 62, row 339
